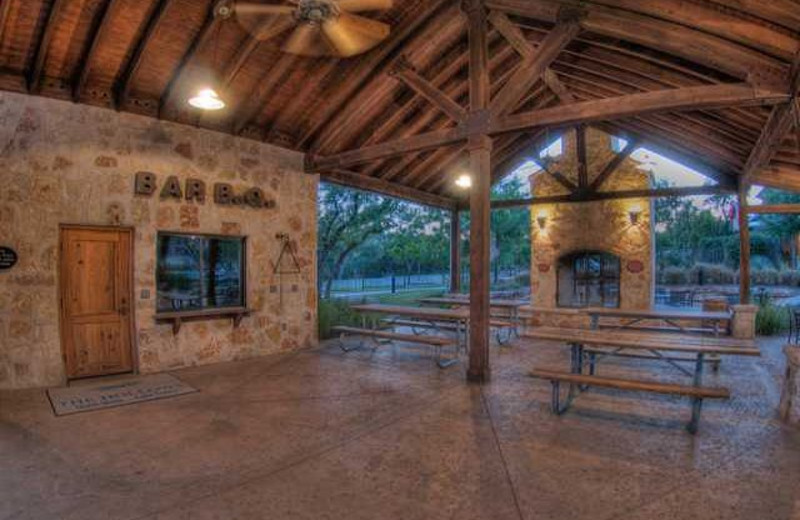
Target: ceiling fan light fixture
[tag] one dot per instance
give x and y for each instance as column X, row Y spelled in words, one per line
column 207, row 98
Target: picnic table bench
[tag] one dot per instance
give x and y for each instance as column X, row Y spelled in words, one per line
column 711, row 321
column 510, row 308
column 654, row 343
column 437, row 342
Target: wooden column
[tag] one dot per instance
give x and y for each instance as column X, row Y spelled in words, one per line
column 455, row 251
column 480, row 149
column 744, row 244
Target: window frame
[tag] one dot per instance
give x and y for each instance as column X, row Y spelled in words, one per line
column 204, row 311
column 574, row 257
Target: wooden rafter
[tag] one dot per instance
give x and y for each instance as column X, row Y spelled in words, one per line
column 615, row 195
column 404, row 72
column 123, row 87
column 533, row 67
column 254, row 105
column 367, row 67
column 363, row 182
column 780, row 122
column 613, row 165
column 517, row 40
column 689, row 98
column 100, row 26
column 34, row 79
column 583, row 163
column 5, row 9
column 198, row 43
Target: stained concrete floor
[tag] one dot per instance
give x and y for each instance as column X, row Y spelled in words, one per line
column 327, row 435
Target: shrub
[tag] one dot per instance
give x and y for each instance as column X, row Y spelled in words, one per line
column 715, row 274
column 675, row 276
column 335, row 312
column 771, row 319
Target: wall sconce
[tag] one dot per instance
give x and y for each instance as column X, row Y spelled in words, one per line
column 541, row 219
column 464, row 181
column 633, row 213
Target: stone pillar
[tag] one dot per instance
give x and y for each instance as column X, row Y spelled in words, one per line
column 790, row 398
column 744, row 321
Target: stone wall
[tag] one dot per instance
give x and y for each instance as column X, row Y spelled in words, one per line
column 598, row 226
column 62, row 163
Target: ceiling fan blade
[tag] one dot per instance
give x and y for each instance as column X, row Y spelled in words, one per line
column 306, row 40
column 269, row 30
column 352, row 34
column 357, row 6
column 246, row 8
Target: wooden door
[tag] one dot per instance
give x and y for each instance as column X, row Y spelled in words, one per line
column 96, row 321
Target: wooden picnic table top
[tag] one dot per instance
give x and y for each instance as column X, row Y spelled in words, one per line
column 424, row 313
column 646, row 340
column 658, row 314
column 465, row 302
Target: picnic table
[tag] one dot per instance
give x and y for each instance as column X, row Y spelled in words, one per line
column 658, row 346
column 674, row 318
column 511, row 307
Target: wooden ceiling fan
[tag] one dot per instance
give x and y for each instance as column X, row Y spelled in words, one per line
column 321, row 27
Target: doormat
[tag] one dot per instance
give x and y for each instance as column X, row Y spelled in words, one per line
column 108, row 394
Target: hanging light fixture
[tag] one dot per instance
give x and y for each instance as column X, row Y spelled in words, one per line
column 464, row 181
column 207, row 98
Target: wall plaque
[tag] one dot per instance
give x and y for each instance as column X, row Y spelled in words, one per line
column 8, row 258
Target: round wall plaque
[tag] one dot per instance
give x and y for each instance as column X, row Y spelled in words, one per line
column 8, row 258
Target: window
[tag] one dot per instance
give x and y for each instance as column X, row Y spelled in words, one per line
column 199, row 272
column 588, row 279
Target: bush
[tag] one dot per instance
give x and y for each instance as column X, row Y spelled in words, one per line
column 771, row 319
column 675, row 276
column 713, row 274
column 333, row 313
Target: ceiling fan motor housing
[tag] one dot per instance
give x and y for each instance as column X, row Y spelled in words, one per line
column 316, row 11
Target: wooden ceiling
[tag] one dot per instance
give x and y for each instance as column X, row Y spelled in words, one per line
column 145, row 56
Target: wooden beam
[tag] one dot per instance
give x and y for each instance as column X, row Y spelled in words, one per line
column 100, row 26
column 455, row 251
column 744, row 244
column 362, row 182
column 199, row 41
column 122, row 88
column 777, row 177
column 614, row 164
column 780, row 122
column 533, row 67
column 404, row 72
column 43, row 45
column 258, row 99
column 583, row 165
column 5, row 9
column 687, row 98
column 615, row 195
column 416, row 143
column 516, row 38
column 774, row 209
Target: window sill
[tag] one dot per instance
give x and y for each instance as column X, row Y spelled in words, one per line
column 178, row 317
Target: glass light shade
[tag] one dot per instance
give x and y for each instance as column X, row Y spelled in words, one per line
column 207, row 99
column 464, row 181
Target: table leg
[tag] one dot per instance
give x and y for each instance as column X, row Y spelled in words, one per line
column 697, row 402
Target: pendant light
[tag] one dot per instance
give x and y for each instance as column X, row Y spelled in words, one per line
column 206, row 96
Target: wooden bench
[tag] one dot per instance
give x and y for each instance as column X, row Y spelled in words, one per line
column 437, row 342
column 697, row 393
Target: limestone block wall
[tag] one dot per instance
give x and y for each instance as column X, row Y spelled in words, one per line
column 62, row 163
column 598, row 226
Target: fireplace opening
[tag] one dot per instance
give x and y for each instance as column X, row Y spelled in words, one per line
column 588, row 279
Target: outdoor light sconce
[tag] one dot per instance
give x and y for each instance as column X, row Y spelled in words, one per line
column 634, row 213
column 541, row 219
column 464, row 181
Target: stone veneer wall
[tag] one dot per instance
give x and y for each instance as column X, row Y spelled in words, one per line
column 62, row 163
column 599, row 226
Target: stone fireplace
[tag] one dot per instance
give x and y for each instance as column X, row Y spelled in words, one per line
column 593, row 253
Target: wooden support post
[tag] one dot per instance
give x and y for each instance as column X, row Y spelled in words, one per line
column 480, row 158
column 744, row 244
column 455, row 251
column 479, row 258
